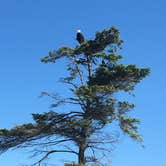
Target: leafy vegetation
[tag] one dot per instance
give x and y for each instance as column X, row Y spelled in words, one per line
column 95, row 76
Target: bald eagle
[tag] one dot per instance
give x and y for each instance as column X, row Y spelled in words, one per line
column 80, row 37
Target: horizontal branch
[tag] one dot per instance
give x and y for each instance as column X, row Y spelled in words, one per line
column 51, row 152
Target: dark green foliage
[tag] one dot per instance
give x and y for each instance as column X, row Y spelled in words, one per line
column 102, row 40
column 95, row 76
column 120, row 76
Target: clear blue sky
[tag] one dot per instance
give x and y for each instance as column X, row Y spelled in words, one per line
column 29, row 29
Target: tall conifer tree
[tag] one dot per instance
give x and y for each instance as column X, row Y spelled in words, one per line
column 95, row 77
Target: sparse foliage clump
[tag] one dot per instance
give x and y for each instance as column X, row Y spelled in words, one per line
column 95, row 76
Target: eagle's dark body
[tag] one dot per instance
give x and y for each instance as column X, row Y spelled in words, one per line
column 80, row 37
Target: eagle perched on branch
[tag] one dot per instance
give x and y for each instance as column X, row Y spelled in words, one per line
column 80, row 37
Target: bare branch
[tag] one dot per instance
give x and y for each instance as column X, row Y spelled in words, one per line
column 51, row 152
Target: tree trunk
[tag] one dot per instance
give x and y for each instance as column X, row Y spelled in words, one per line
column 82, row 145
column 89, row 61
column 81, row 155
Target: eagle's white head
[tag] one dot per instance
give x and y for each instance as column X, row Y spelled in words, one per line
column 78, row 31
